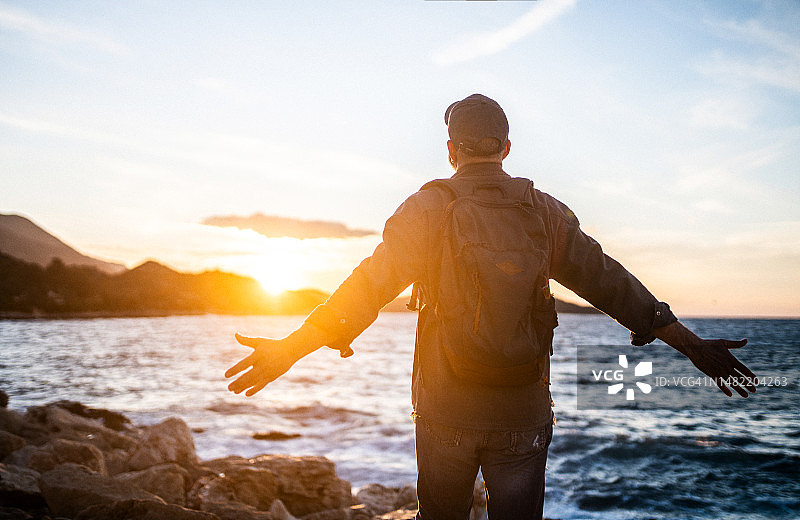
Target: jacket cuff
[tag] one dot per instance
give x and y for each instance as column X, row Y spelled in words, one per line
column 662, row 316
column 336, row 326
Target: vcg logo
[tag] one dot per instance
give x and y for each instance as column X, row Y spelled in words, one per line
column 616, row 378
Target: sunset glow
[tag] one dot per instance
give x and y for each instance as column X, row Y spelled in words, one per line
column 670, row 129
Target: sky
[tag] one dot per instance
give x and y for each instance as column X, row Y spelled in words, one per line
column 671, row 128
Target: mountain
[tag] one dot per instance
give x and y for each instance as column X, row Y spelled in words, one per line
column 27, row 289
column 24, row 240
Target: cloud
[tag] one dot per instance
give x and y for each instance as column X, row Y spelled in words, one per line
column 276, row 227
column 724, row 112
column 487, row 43
column 54, row 31
column 777, row 65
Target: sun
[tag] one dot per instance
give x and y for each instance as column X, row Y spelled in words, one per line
column 275, row 275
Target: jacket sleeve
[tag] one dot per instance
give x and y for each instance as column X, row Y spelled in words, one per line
column 579, row 263
column 396, row 262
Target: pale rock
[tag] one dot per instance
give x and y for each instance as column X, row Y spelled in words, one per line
column 279, row 511
column 478, row 511
column 168, row 441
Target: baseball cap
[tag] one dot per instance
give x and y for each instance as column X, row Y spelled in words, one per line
column 475, row 118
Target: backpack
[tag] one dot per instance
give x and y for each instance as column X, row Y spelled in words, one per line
column 489, row 283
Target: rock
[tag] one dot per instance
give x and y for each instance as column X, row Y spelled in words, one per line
column 9, row 443
column 110, row 419
column 116, row 461
column 168, row 481
column 478, row 511
column 304, row 484
column 380, row 499
column 275, row 436
column 3, row 399
column 21, row 456
column 400, row 514
column 43, row 423
column 141, row 510
column 70, row 488
column 247, row 486
column 168, row 441
column 19, row 487
column 406, row 497
column 12, row 513
column 333, row 514
column 11, row 421
column 59, row 451
column 279, row 511
column 236, row 511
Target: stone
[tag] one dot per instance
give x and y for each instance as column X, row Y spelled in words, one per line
column 19, row 487
column 279, row 511
column 59, row 451
column 110, row 419
column 168, row 441
column 249, row 486
column 235, row 511
column 9, row 443
column 337, row 514
column 406, row 497
column 43, row 423
column 478, row 511
column 141, row 510
column 379, row 499
column 168, row 481
column 305, row 485
column 116, row 461
column 400, row 514
column 21, row 456
column 11, row 421
column 274, row 436
column 70, row 488
column 12, row 513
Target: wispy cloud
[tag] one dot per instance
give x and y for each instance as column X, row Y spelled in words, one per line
column 54, row 31
column 487, row 43
column 777, row 65
column 728, row 112
column 278, row 227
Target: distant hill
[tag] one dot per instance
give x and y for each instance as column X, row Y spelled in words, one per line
column 42, row 276
column 29, row 290
column 24, row 240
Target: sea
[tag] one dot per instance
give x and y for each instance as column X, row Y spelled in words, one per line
column 694, row 454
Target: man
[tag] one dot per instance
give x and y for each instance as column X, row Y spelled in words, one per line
column 461, row 424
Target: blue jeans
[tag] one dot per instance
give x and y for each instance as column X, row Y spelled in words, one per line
column 512, row 463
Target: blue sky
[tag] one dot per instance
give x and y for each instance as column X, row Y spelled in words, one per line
column 672, row 129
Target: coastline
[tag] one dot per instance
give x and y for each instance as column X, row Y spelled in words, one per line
column 68, row 460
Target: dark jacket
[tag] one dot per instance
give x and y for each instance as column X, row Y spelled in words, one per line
column 576, row 261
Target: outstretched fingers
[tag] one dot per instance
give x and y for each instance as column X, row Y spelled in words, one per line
column 247, row 341
column 244, row 364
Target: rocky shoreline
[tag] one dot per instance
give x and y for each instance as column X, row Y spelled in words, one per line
column 67, row 460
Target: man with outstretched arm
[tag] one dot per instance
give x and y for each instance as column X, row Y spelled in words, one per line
column 463, row 425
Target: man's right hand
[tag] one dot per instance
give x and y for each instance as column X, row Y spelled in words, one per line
column 270, row 359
